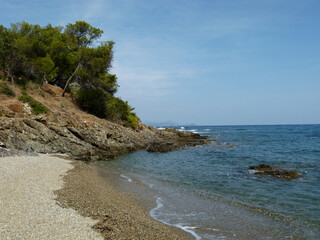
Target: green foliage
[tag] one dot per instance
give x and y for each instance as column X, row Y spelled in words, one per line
column 104, row 105
column 117, row 109
column 31, row 54
column 25, row 98
column 37, row 107
column 82, row 34
column 92, row 100
column 132, row 121
column 32, row 85
column 5, row 89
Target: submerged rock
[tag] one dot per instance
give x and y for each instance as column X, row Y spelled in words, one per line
column 267, row 170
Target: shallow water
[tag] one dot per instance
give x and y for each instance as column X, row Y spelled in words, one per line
column 209, row 191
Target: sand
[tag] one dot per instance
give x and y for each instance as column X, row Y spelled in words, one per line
column 48, row 197
column 120, row 215
column 28, row 208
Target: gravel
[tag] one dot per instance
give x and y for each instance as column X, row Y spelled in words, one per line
column 28, row 209
column 121, row 215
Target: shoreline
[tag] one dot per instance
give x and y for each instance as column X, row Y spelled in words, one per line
column 120, row 215
column 55, row 197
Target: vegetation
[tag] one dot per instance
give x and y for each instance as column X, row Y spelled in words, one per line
column 25, row 98
column 5, row 89
column 37, row 107
column 31, row 54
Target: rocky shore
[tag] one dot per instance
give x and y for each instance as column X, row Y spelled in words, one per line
column 67, row 129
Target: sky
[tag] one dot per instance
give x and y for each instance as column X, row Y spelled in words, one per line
column 204, row 62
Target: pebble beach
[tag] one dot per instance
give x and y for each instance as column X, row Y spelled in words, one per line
column 48, row 197
column 27, row 202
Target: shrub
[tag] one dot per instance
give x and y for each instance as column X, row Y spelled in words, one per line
column 117, row 109
column 104, row 105
column 37, row 107
column 25, row 98
column 91, row 100
column 5, row 89
column 132, row 121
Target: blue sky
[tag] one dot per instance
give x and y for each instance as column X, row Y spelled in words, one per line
column 206, row 62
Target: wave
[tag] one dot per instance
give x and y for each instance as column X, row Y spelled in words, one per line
column 129, row 179
column 188, row 229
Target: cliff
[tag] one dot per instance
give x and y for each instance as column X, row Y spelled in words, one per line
column 67, row 129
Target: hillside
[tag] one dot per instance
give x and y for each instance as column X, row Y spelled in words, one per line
column 65, row 128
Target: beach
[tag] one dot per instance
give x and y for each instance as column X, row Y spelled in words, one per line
column 48, row 197
column 27, row 202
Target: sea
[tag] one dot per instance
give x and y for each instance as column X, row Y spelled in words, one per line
column 210, row 192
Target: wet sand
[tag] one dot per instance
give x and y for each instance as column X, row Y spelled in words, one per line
column 120, row 215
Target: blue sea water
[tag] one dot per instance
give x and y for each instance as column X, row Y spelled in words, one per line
column 209, row 191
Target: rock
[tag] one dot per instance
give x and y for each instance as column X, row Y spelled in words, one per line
column 53, row 90
column 78, row 134
column 162, row 147
column 262, row 167
column 15, row 107
column 102, row 140
column 26, row 108
column 176, row 140
column 267, row 170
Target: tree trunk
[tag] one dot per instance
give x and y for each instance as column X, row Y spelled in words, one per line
column 67, row 84
column 7, row 71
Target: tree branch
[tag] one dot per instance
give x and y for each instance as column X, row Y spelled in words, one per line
column 67, row 84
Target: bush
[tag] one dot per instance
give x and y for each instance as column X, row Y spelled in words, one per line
column 25, row 98
column 104, row 105
column 132, row 121
column 117, row 109
column 37, row 107
column 92, row 101
column 5, row 89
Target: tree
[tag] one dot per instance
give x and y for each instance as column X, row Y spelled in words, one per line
column 31, row 53
column 10, row 59
column 79, row 37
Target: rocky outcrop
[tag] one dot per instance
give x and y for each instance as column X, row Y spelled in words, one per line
column 266, row 170
column 102, row 140
column 176, row 140
column 53, row 90
column 67, row 129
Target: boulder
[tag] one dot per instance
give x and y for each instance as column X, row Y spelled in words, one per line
column 267, row 170
column 53, row 90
